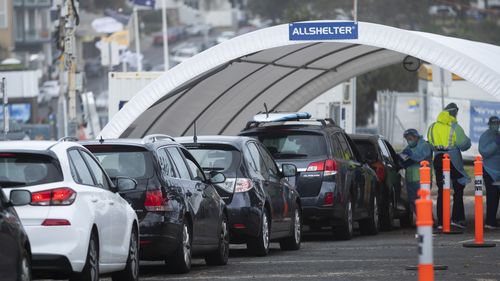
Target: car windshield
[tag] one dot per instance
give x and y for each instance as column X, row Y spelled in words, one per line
column 26, row 169
column 294, row 145
column 124, row 161
column 221, row 158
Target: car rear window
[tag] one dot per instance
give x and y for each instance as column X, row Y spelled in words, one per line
column 216, row 157
column 124, row 161
column 27, row 169
column 293, row 145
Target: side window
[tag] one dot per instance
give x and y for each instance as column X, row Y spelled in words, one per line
column 82, row 174
column 257, row 158
column 344, row 146
column 385, row 152
column 393, row 153
column 99, row 174
column 179, row 163
column 166, row 166
column 337, row 150
column 269, row 162
column 249, row 158
column 196, row 172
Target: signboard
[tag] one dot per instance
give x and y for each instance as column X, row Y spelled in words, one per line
column 480, row 112
column 20, row 112
column 303, row 31
column 147, row 3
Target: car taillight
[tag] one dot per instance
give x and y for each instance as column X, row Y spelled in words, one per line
column 55, row 222
column 380, row 171
column 328, row 167
column 53, row 197
column 243, row 185
column 156, row 202
column 328, row 199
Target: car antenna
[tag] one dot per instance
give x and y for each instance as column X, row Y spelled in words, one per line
column 101, row 140
column 267, row 112
column 195, row 137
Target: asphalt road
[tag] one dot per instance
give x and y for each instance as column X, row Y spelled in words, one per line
column 382, row 257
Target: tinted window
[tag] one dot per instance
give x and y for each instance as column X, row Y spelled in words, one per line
column 367, row 149
column 294, row 145
column 259, row 165
column 166, row 166
column 83, row 175
column 196, row 172
column 179, row 163
column 385, row 152
column 225, row 159
column 344, row 146
column 124, row 161
column 25, row 169
column 99, row 174
column 268, row 160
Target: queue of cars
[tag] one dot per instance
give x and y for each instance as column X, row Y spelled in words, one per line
column 101, row 206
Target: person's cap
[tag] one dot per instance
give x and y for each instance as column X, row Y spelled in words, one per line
column 494, row 120
column 451, row 107
column 411, row 132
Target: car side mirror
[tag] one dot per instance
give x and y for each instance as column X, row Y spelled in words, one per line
column 216, row 177
column 125, row 184
column 20, row 197
column 289, row 170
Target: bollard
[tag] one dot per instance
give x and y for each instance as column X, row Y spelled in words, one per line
column 446, row 196
column 478, row 207
column 423, row 205
column 424, row 225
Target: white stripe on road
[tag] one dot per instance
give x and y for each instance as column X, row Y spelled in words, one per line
column 313, row 261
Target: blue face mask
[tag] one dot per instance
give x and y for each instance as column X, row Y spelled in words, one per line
column 412, row 143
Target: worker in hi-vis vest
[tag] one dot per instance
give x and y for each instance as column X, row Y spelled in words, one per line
column 446, row 136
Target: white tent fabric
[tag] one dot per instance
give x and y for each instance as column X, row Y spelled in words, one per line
column 222, row 87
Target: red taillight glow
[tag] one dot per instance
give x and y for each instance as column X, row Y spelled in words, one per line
column 155, row 202
column 328, row 199
column 7, row 155
column 55, row 222
column 329, row 167
column 53, row 197
column 239, row 226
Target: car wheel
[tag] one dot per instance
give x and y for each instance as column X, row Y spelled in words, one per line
column 24, row 266
column 221, row 255
column 387, row 215
column 180, row 261
column 131, row 271
column 344, row 231
column 292, row 243
column 90, row 271
column 371, row 225
column 259, row 246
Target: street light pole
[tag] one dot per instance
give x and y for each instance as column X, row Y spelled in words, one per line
column 137, row 40
column 5, row 101
column 165, row 34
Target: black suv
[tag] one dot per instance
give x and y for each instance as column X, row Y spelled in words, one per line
column 335, row 186
column 378, row 152
column 179, row 210
column 15, row 257
column 265, row 206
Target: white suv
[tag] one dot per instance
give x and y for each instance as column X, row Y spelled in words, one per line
column 77, row 223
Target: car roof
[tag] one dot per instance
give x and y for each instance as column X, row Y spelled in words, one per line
column 365, row 137
column 232, row 140
column 296, row 127
column 34, row 145
column 130, row 142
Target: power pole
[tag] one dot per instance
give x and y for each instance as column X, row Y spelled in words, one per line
column 5, row 101
column 165, row 34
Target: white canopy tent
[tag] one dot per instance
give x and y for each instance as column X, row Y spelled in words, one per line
column 223, row 87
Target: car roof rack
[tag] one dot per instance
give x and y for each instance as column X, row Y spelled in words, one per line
column 324, row 122
column 68, row 138
column 156, row 137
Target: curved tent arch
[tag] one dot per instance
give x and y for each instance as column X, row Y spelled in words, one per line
column 265, row 66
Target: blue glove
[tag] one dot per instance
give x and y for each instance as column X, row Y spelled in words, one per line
column 407, row 151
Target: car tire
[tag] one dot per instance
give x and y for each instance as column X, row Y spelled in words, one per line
column 407, row 219
column 180, row 261
column 259, row 246
column 221, row 255
column 387, row 214
column 345, row 230
column 90, row 271
column 24, row 266
column 131, row 271
column 371, row 225
column 292, row 243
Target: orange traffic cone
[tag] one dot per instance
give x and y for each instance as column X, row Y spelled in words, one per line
column 446, row 196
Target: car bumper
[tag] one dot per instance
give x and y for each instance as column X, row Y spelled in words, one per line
column 315, row 212
column 51, row 265
column 159, row 236
column 244, row 216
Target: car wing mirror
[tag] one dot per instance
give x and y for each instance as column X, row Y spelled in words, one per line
column 125, row 184
column 216, row 177
column 289, row 170
column 20, row 197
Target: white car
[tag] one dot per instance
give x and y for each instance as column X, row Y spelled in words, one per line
column 183, row 54
column 224, row 36
column 77, row 223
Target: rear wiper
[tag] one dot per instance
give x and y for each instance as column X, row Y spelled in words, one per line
column 212, row 168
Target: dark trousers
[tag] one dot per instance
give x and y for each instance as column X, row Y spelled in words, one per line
column 492, row 198
column 458, row 211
